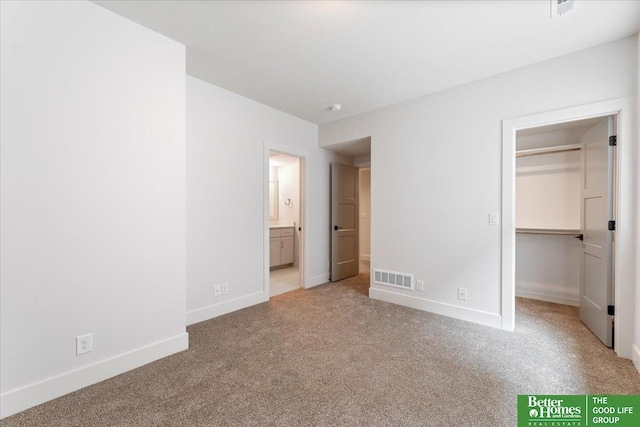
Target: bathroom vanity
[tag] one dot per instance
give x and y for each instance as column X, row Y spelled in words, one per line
column 281, row 246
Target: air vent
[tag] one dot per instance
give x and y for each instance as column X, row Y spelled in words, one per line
column 560, row 7
column 393, row 278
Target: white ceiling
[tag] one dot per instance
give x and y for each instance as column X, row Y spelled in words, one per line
column 300, row 57
column 356, row 147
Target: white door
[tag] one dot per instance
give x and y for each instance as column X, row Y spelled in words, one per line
column 344, row 222
column 596, row 267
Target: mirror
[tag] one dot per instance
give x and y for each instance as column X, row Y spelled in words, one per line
column 273, row 200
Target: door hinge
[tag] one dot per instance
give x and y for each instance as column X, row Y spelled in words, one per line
column 613, row 140
column 611, row 310
column 612, row 225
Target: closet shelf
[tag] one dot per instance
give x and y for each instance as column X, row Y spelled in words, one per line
column 555, row 231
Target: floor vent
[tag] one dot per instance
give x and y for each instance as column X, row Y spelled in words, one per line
column 393, row 278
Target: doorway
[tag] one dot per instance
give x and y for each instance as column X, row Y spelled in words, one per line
column 350, row 208
column 564, row 200
column 286, row 195
column 623, row 109
column 365, row 219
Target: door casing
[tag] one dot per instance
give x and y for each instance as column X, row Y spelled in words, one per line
column 303, row 191
column 625, row 110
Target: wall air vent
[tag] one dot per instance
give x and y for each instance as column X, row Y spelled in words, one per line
column 393, row 278
column 560, row 7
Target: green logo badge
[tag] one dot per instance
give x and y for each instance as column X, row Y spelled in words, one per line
column 578, row 410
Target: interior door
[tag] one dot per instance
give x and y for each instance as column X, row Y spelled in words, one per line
column 344, row 222
column 596, row 265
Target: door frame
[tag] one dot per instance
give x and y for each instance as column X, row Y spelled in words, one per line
column 302, row 223
column 624, row 109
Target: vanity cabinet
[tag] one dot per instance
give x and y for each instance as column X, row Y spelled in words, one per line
column 281, row 247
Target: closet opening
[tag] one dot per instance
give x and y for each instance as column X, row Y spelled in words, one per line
column 565, row 212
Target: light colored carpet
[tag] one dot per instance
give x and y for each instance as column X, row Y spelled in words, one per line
column 332, row 356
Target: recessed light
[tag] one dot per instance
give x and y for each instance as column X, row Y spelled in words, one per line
column 335, row 107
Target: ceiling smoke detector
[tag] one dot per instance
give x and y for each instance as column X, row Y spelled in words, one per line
column 335, row 107
column 560, row 7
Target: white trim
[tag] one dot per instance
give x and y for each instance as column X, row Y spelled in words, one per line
column 635, row 356
column 364, row 257
column 215, row 310
column 455, row 311
column 625, row 109
column 23, row 398
column 318, row 280
column 547, row 298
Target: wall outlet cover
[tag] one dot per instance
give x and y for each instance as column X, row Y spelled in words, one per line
column 217, row 290
column 462, row 294
column 494, row 219
column 225, row 288
column 84, row 344
column 419, row 285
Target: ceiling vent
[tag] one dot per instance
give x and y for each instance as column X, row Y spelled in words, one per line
column 393, row 278
column 560, row 7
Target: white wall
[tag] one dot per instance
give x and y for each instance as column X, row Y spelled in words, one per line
column 93, row 187
column 289, row 189
column 289, row 181
column 225, row 167
column 548, row 268
column 441, row 175
column 548, row 191
column 365, row 213
column 636, row 349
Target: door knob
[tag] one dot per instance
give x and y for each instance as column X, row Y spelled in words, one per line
column 579, row 237
column 337, row 227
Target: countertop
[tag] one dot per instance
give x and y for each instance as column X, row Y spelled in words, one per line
column 281, row 226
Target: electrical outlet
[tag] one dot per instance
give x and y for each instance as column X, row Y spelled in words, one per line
column 462, row 293
column 225, row 288
column 419, row 285
column 494, row 219
column 84, row 344
column 217, row 290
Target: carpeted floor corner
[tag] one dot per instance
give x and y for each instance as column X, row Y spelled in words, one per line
column 332, row 356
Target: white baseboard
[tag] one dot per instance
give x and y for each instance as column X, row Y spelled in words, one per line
column 23, row 398
column 547, row 298
column 364, row 257
column 457, row 312
column 635, row 356
column 317, row 280
column 215, row 310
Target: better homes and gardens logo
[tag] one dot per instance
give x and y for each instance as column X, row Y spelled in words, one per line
column 578, row 410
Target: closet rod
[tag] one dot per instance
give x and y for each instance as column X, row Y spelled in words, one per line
column 548, row 150
column 555, row 231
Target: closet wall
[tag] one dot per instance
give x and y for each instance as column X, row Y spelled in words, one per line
column 548, row 196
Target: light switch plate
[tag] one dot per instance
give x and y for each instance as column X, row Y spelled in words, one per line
column 494, row 219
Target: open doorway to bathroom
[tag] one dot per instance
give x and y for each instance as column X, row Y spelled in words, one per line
column 285, row 229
